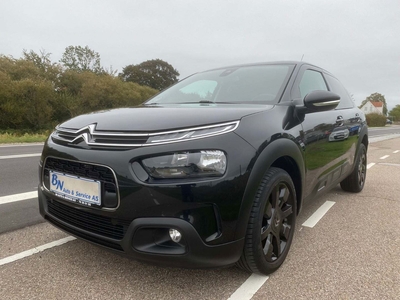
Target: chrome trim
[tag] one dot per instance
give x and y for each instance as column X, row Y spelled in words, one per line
column 327, row 103
column 92, row 133
column 89, row 163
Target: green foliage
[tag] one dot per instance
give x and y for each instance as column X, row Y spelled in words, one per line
column 376, row 97
column 38, row 94
column 23, row 136
column 375, row 120
column 47, row 69
column 155, row 73
column 18, row 69
column 81, row 59
column 395, row 112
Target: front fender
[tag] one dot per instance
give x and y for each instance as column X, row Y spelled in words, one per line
column 271, row 154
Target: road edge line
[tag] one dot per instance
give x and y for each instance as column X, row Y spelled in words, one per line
column 18, row 256
column 247, row 290
column 20, row 155
column 318, row 214
column 18, row 197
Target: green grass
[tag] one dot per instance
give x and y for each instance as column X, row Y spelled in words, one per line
column 10, row 137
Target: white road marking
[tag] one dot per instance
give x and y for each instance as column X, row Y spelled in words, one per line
column 389, row 164
column 318, row 214
column 18, row 197
column 384, row 157
column 20, row 155
column 396, row 151
column 35, row 250
column 249, row 287
column 370, row 165
column 21, row 145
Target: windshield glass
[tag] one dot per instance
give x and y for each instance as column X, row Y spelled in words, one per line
column 261, row 84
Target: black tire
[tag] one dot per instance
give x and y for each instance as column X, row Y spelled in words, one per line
column 271, row 224
column 355, row 181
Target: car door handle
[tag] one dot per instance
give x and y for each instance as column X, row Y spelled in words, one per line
column 339, row 120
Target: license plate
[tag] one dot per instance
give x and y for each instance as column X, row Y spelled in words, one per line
column 78, row 189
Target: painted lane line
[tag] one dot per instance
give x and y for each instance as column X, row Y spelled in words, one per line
column 20, row 155
column 35, row 250
column 18, row 197
column 396, row 151
column 21, row 145
column 370, row 165
column 389, row 164
column 318, row 214
column 384, row 157
column 247, row 290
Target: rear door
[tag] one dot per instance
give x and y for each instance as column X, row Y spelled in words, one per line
column 350, row 125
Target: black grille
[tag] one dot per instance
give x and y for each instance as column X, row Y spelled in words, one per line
column 80, row 169
column 85, row 236
column 100, row 225
column 85, row 170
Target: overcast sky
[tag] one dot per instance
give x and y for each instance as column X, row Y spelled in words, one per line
column 357, row 41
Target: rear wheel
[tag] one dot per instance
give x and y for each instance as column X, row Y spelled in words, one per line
column 271, row 224
column 355, row 181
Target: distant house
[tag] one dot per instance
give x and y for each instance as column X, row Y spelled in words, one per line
column 372, row 107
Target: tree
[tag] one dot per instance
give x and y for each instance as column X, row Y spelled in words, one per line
column 155, row 73
column 395, row 112
column 376, row 97
column 47, row 69
column 18, row 69
column 81, row 59
column 41, row 60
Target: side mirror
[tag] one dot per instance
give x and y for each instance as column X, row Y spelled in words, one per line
column 321, row 101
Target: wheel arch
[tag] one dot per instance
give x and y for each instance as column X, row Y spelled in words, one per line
column 362, row 139
column 282, row 153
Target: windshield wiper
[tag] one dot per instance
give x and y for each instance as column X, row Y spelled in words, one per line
column 149, row 104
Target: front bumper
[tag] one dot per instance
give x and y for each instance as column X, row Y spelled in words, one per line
column 146, row 239
column 206, row 211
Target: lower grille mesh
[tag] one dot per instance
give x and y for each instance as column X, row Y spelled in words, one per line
column 101, row 225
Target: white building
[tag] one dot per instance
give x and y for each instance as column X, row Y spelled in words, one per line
column 372, row 107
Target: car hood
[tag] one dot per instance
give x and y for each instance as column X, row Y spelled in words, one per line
column 156, row 118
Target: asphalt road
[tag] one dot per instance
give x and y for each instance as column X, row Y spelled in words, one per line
column 351, row 253
column 19, row 174
column 390, row 129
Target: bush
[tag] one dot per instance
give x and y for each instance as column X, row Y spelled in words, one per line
column 39, row 98
column 376, row 120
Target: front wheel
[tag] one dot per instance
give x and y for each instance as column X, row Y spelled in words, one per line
column 271, row 224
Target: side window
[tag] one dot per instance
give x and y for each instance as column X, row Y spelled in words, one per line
column 337, row 88
column 311, row 81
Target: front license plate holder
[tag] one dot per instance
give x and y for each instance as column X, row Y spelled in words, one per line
column 77, row 189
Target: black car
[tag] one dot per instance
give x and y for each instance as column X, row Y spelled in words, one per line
column 210, row 172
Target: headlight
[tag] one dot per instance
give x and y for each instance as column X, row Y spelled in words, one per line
column 186, row 164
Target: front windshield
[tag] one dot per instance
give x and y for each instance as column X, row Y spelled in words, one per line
column 261, row 84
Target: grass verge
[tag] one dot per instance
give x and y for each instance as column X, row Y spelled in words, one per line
column 23, row 137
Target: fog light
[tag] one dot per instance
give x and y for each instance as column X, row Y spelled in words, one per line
column 175, row 235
